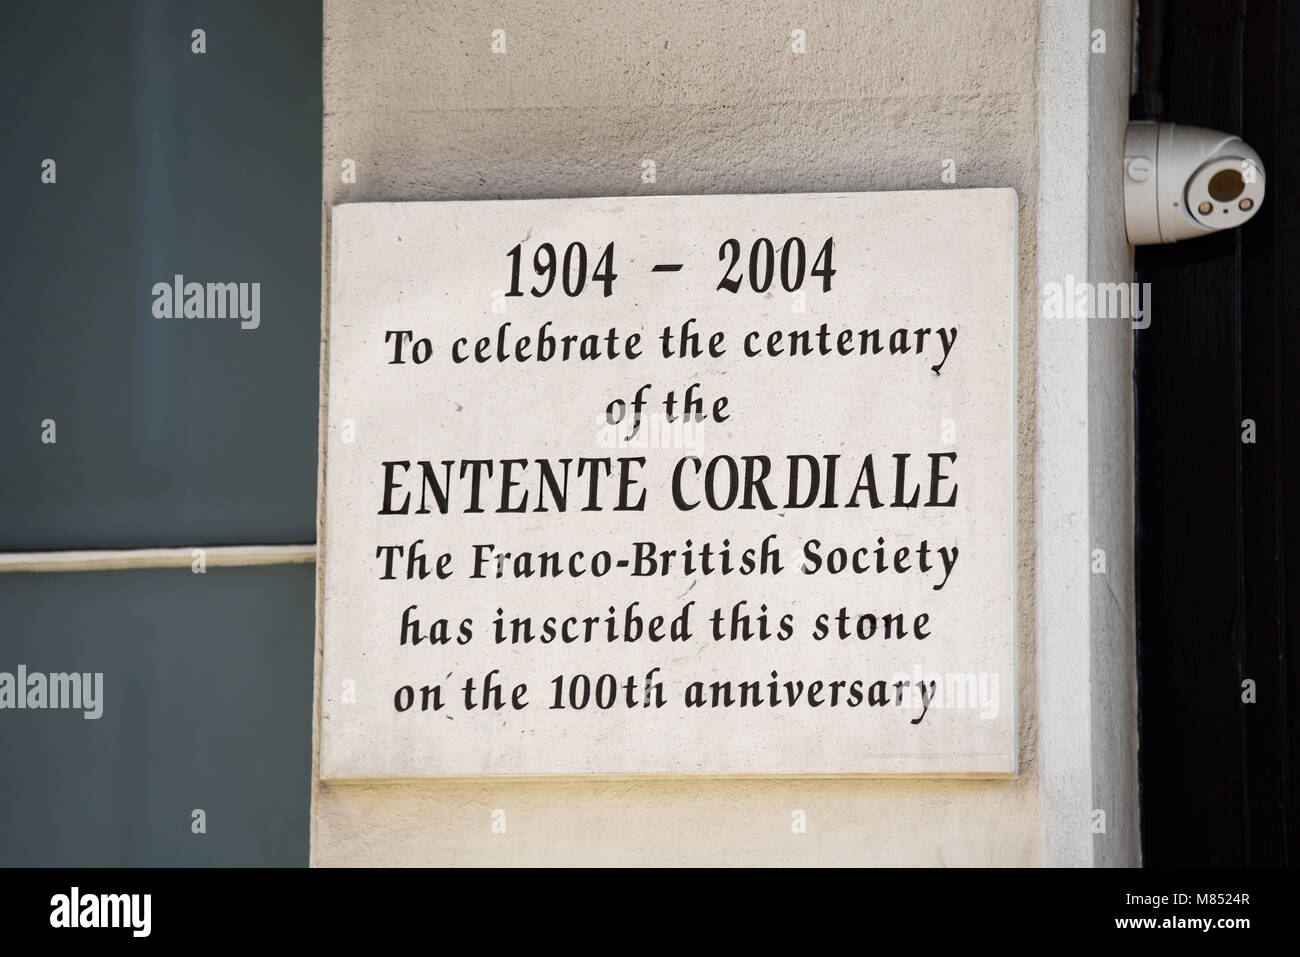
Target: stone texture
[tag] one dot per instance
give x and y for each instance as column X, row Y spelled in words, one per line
column 709, row 91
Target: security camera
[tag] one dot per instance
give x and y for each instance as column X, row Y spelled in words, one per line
column 1185, row 181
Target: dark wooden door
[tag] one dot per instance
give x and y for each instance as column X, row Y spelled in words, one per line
column 1218, row 539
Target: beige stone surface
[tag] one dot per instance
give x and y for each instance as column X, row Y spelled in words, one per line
column 885, row 94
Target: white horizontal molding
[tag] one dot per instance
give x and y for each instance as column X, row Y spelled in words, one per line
column 106, row 559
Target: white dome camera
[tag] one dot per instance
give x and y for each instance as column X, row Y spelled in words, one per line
column 1185, row 181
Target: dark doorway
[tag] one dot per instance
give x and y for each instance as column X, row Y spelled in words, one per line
column 1218, row 515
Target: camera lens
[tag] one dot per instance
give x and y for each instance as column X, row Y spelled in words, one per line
column 1226, row 184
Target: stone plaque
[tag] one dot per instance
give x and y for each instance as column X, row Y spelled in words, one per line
column 671, row 485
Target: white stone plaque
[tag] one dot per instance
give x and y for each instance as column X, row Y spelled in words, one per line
column 671, row 485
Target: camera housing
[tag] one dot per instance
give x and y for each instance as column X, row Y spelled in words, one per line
column 1186, row 181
